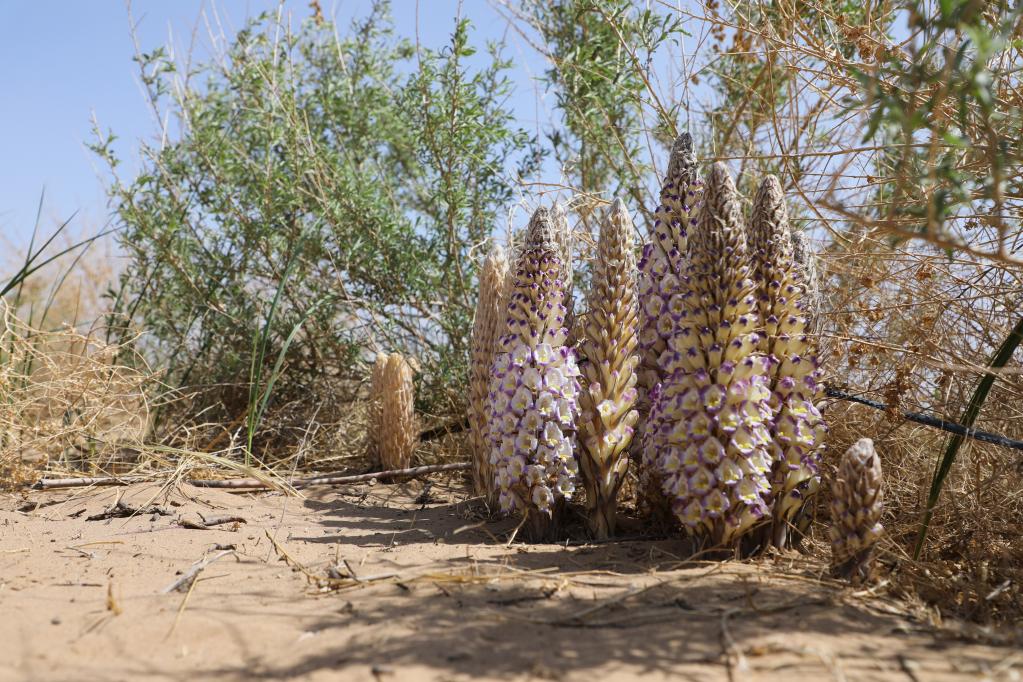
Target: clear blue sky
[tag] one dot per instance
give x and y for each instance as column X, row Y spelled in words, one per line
column 63, row 61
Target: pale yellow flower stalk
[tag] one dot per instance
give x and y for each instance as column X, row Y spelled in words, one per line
column 609, row 345
column 662, row 258
column 797, row 430
column 398, row 433
column 857, row 501
column 488, row 326
column 708, row 433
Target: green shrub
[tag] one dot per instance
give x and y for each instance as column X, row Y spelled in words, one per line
column 375, row 167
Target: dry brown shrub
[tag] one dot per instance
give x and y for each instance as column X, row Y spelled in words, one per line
column 913, row 328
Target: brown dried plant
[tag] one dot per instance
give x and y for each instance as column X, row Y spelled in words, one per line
column 397, row 432
column 488, row 327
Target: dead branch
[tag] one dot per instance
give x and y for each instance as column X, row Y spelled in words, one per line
column 189, row 576
column 254, row 483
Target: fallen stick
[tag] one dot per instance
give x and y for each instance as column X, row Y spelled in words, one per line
column 334, row 480
column 189, row 576
column 255, row 483
column 45, row 483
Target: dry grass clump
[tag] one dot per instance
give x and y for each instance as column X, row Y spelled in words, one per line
column 912, row 328
column 68, row 402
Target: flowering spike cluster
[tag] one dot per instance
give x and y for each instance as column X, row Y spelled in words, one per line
column 797, row 429
column 708, row 433
column 659, row 287
column 609, row 377
column 398, row 432
column 532, row 404
column 487, row 328
column 856, row 506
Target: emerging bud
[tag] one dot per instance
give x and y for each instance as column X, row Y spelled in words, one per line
column 566, row 246
column 609, row 345
column 857, row 501
column 806, row 260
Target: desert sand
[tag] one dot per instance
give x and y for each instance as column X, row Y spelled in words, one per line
column 385, row 583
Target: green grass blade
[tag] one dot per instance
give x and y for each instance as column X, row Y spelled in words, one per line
column 31, row 266
column 259, row 354
column 1000, row 359
column 278, row 364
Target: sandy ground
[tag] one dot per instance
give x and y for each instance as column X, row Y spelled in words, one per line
column 441, row 598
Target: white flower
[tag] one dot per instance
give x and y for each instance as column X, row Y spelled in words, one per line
column 515, row 466
column 554, row 379
column 534, row 475
column 552, row 435
column 525, row 443
column 508, row 502
column 543, row 354
column 509, row 383
column 729, row 472
column 565, row 412
column 532, row 420
column 509, row 422
column 522, row 400
column 711, row 451
column 546, row 404
column 542, row 498
column 520, row 355
column 531, row 378
column 502, row 363
column 701, row 482
column 693, row 513
column 715, row 503
column 747, row 491
column 671, row 463
column 691, row 458
column 564, row 451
